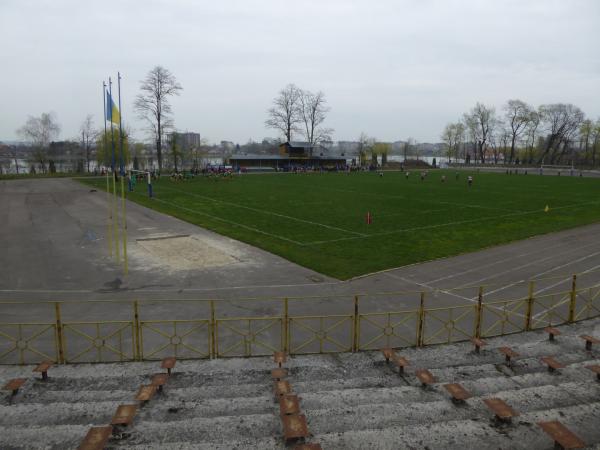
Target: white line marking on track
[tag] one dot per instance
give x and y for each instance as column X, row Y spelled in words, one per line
column 529, row 264
column 499, row 261
column 566, row 299
column 91, row 291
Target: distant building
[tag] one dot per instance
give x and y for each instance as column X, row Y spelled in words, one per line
column 185, row 140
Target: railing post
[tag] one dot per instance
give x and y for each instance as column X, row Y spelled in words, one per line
column 573, row 299
column 479, row 313
column 137, row 331
column 355, row 327
column 421, row 323
column 285, row 337
column 59, row 334
column 529, row 311
column 213, row 329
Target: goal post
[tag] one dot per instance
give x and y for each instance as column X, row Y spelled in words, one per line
column 147, row 175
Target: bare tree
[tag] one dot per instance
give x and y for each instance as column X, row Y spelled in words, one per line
column 285, row 114
column 40, row 131
column 561, row 121
column 518, row 115
column 585, row 138
column 452, row 136
column 530, row 132
column 365, row 143
column 153, row 103
column 88, row 136
column 481, row 121
column 408, row 147
column 313, row 110
column 595, row 141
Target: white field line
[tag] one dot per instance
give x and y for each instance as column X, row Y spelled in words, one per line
column 415, row 213
column 231, row 222
column 263, row 211
column 440, row 225
column 403, row 197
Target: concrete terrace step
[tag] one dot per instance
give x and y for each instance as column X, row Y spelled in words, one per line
column 271, row 443
column 470, row 434
column 58, row 413
column 54, row 437
column 368, row 416
column 148, row 431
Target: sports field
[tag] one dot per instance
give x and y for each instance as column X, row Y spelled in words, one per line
column 319, row 220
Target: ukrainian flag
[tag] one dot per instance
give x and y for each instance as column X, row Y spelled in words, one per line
column 112, row 112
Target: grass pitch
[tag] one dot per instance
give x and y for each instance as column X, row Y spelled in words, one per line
column 319, row 220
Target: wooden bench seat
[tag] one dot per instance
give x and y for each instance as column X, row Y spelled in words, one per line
column 552, row 332
column 589, row 340
column 400, row 362
column 552, row 363
column 562, row 436
column 478, row 343
column 145, row 393
column 281, row 388
column 96, row 438
column 294, row 427
column 124, row 415
column 279, row 358
column 159, row 380
column 425, row 377
column 388, row 353
column 501, row 410
column 509, row 354
column 43, row 368
column 289, row 404
column 596, row 369
column 168, row 363
column 459, row 394
column 279, row 374
column 14, row 385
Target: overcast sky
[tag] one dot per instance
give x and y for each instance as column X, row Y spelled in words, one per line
column 390, row 68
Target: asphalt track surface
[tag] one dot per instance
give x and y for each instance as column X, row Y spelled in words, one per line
column 54, row 248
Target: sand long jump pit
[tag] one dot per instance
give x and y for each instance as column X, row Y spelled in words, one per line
column 185, row 252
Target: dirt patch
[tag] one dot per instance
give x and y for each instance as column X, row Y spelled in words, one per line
column 185, row 252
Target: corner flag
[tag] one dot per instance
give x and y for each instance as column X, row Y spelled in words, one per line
column 112, row 112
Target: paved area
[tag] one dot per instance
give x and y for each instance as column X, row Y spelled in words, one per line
column 53, row 240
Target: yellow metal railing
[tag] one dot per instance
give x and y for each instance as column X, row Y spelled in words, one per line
column 98, row 341
column 179, row 338
column 369, row 322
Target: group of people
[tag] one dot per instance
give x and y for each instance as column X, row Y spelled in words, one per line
column 425, row 174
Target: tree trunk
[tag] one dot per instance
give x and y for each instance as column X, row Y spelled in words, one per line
column 512, row 149
column 159, row 145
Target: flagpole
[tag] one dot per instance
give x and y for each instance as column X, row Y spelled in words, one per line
column 114, row 175
column 109, row 222
column 123, row 212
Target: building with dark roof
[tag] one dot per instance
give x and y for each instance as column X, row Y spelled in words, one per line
column 291, row 155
